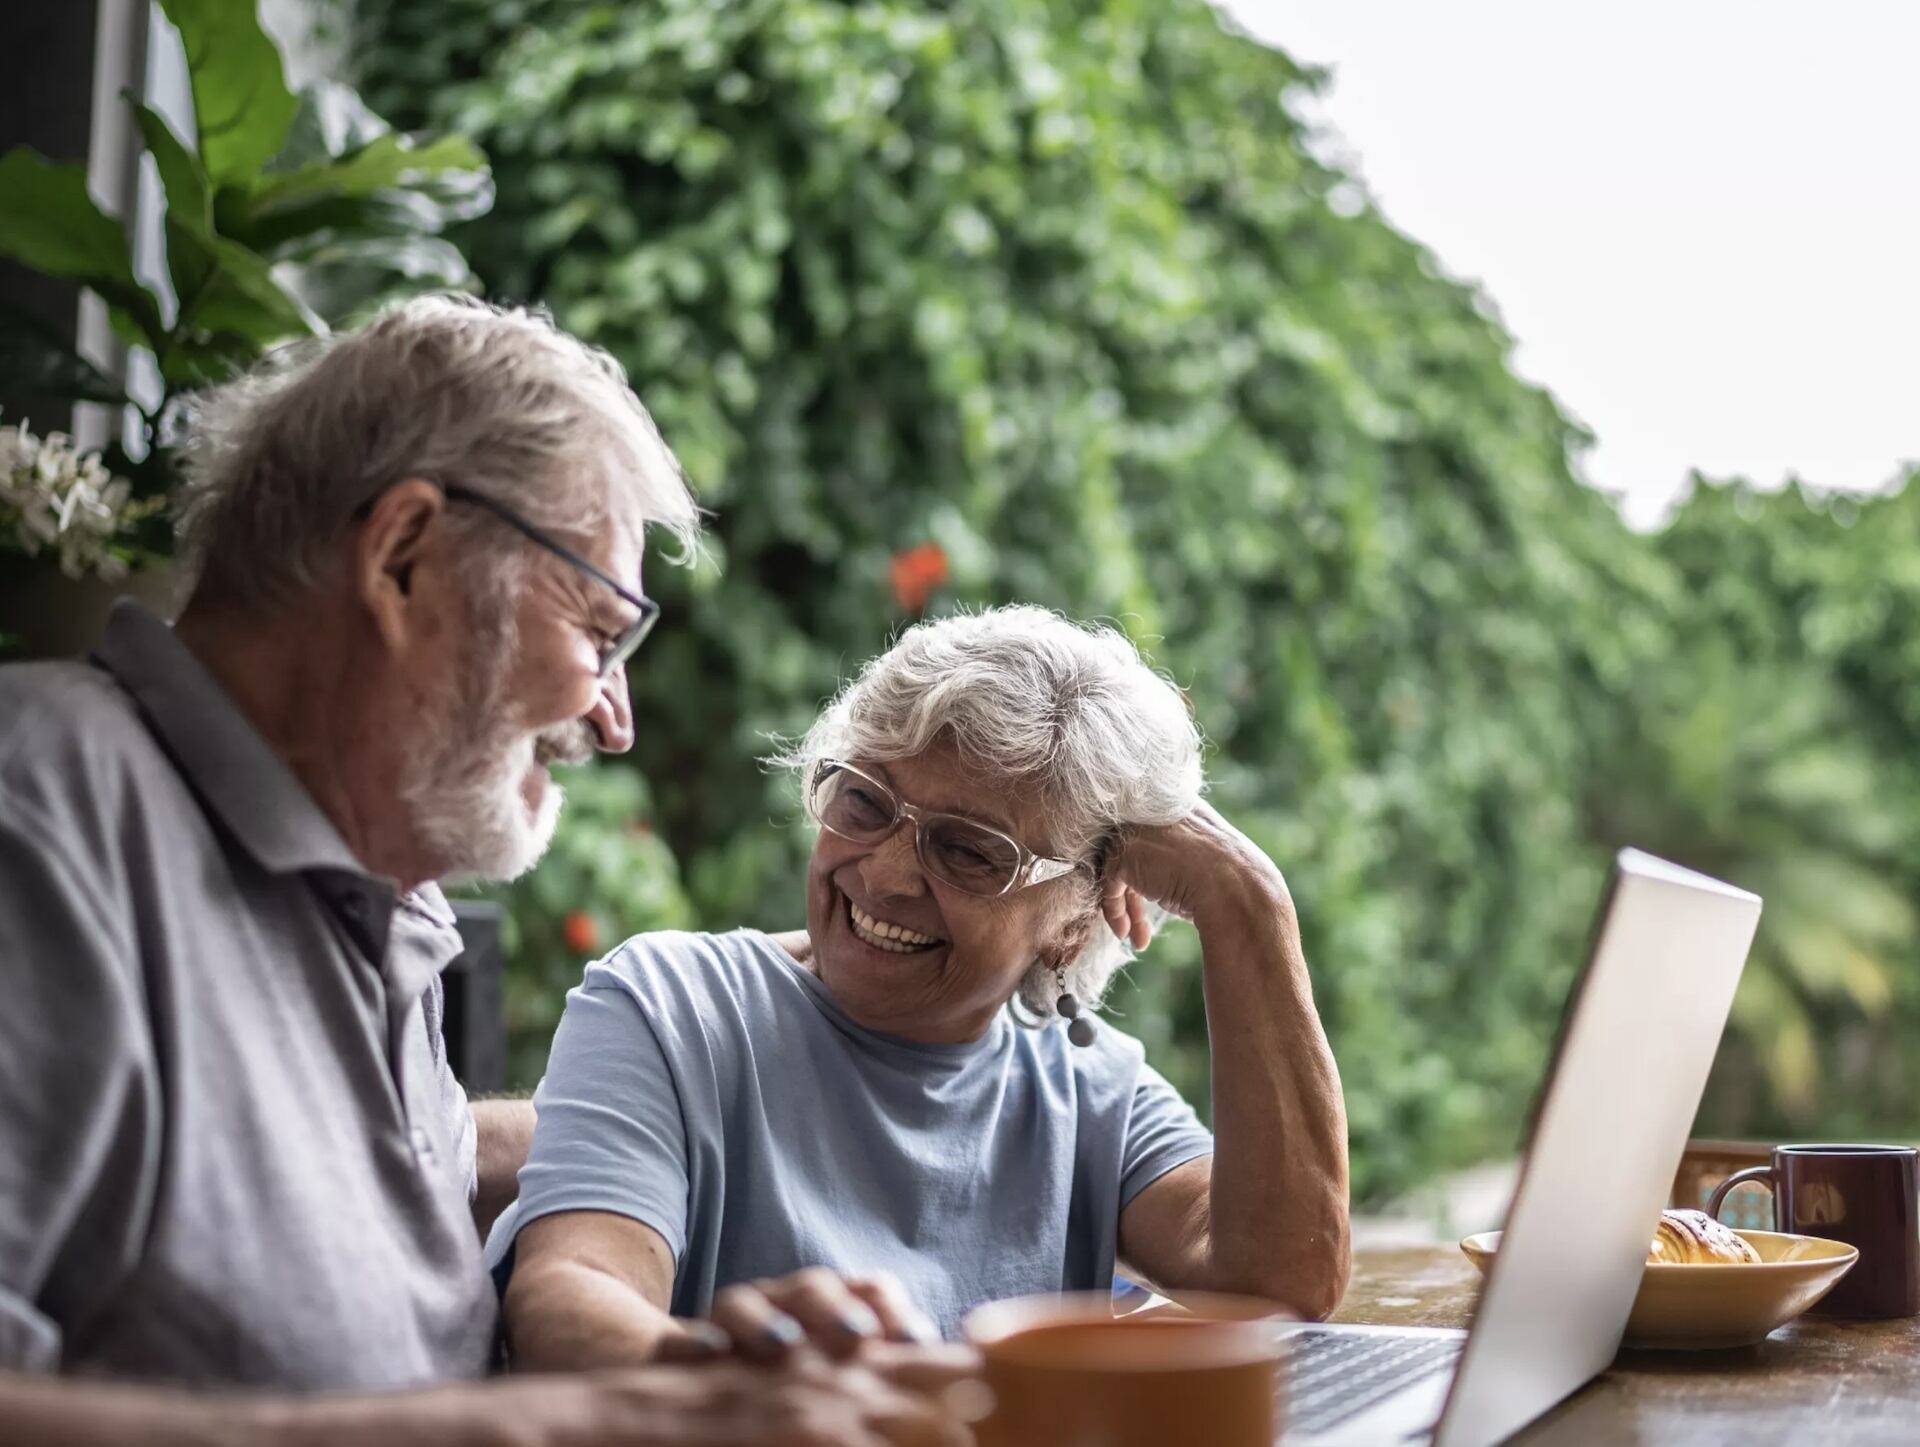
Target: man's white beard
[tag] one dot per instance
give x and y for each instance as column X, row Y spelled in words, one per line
column 464, row 785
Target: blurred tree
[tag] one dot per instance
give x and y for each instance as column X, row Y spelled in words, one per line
column 1061, row 289
column 1776, row 746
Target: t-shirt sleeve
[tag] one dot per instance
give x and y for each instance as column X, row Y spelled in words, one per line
column 1162, row 1132
column 77, row 1097
column 611, row 1135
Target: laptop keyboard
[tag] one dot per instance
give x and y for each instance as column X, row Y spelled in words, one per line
column 1331, row 1375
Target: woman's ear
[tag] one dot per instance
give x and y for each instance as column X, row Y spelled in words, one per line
column 1071, row 942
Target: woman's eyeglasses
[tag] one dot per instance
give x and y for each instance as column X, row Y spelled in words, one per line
column 974, row 858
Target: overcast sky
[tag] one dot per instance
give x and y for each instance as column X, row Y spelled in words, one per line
column 1700, row 218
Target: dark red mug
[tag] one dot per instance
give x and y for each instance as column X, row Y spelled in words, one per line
column 1866, row 1196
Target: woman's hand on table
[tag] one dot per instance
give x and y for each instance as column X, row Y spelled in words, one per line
column 766, row 1320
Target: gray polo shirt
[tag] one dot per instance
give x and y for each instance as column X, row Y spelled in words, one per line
column 230, row 1148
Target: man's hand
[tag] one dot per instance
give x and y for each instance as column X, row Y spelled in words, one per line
column 810, row 1402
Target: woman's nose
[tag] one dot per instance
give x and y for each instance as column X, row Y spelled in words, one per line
column 891, row 866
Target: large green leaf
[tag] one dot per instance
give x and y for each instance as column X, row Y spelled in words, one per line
column 34, row 357
column 341, row 277
column 386, row 161
column 241, row 103
column 427, row 206
column 182, row 177
column 331, row 121
column 236, row 292
column 50, row 223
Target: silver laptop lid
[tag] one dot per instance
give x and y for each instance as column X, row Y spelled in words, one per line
column 1636, row 1042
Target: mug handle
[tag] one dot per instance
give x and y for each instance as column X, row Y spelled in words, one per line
column 1751, row 1173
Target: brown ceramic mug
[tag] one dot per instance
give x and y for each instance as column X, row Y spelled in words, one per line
column 1065, row 1369
column 1866, row 1196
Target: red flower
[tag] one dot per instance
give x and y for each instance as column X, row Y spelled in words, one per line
column 916, row 573
column 581, row 933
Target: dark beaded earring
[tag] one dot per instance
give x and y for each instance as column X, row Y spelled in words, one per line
column 1079, row 1027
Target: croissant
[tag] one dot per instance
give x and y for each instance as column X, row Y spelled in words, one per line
column 1693, row 1238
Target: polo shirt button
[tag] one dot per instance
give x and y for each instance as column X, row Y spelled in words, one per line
column 422, row 1144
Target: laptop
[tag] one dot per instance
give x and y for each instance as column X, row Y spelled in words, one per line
column 1609, row 1126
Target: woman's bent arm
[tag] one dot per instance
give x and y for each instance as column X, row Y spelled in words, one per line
column 1268, row 1213
column 589, row 1289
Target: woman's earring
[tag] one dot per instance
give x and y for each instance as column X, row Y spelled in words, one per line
column 1079, row 1027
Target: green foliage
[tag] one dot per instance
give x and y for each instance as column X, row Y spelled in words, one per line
column 1061, row 287
column 285, row 214
column 1775, row 747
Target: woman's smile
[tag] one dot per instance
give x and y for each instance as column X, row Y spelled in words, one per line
column 885, row 935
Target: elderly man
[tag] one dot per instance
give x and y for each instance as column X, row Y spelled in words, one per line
column 231, row 1152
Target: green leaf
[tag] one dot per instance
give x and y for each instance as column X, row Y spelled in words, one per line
column 425, row 207
column 241, row 296
column 331, row 120
column 34, row 357
column 386, row 161
column 48, row 222
column 182, row 178
column 341, row 277
column 241, row 103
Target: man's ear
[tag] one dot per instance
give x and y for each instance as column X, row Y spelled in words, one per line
column 396, row 533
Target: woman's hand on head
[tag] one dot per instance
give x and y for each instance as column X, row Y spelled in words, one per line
column 767, row 1320
column 1183, row 868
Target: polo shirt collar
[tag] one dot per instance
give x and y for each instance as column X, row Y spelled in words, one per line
column 227, row 763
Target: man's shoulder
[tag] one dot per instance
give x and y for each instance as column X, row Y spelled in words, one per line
column 69, row 735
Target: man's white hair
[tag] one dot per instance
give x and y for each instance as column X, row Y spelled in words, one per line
column 1038, row 705
column 445, row 387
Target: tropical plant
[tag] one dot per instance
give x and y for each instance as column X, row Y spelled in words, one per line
column 284, row 213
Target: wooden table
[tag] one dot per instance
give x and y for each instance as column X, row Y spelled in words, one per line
column 1812, row 1382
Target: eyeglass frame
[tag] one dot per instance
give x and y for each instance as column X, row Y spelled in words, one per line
column 1031, row 870
column 628, row 641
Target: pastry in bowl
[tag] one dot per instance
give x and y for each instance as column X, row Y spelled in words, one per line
column 1693, row 1238
column 1705, row 1303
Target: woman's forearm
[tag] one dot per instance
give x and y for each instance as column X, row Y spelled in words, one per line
column 1278, row 1198
column 566, row 1315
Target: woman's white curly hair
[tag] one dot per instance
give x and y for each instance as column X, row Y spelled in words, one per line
column 1037, row 703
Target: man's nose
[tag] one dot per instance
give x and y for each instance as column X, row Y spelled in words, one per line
column 611, row 717
column 891, row 866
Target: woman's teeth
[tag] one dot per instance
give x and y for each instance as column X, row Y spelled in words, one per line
column 883, row 936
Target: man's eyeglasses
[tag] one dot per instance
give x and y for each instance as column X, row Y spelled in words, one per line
column 974, row 858
column 611, row 652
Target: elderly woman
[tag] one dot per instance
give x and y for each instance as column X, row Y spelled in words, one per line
column 911, row 1094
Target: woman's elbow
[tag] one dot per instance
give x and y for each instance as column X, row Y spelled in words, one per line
column 1319, row 1296
column 1309, row 1280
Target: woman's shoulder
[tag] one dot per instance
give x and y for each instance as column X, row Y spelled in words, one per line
column 669, row 968
column 1112, row 1060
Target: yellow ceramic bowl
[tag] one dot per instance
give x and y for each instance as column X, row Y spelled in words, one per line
column 1694, row 1308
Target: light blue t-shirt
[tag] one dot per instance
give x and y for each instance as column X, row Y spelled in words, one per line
column 709, row 1086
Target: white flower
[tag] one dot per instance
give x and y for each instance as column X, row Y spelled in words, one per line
column 54, row 497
